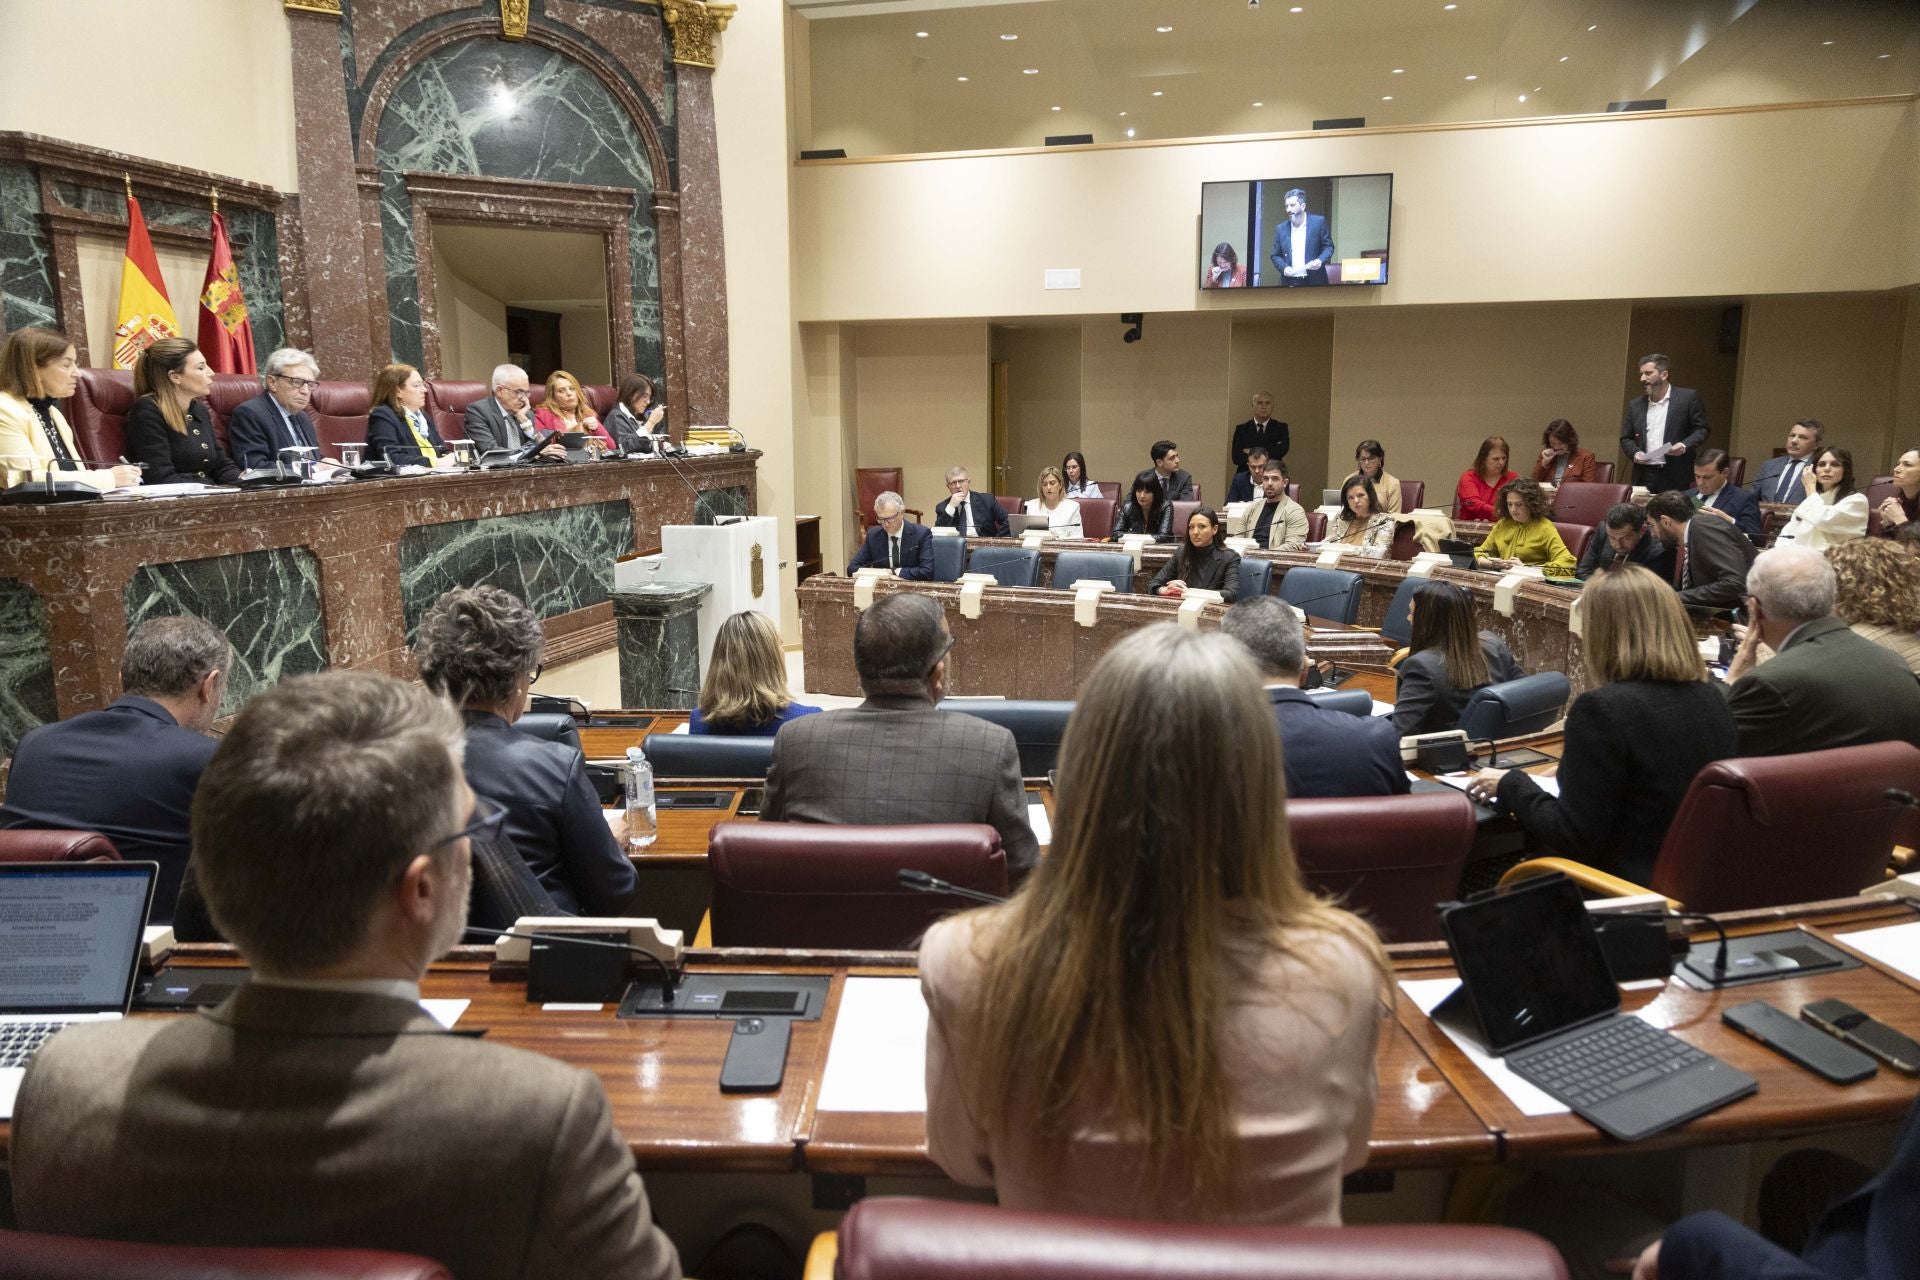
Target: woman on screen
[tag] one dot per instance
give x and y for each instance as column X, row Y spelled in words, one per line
column 1226, row 271
column 1164, row 1022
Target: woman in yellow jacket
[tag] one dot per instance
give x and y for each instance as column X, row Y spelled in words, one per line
column 37, row 369
column 1523, row 534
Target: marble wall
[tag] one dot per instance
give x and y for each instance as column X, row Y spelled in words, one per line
column 557, row 560
column 710, row 504
column 26, row 663
column 26, row 258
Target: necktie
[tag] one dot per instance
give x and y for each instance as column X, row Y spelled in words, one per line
column 420, row 439
column 514, row 440
column 893, row 553
column 1789, row 480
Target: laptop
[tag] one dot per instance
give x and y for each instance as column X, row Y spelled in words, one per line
column 1019, row 522
column 1461, row 553
column 69, row 951
column 1537, row 983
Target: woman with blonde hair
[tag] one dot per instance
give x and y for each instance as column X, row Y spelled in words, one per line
column 745, row 693
column 1879, row 595
column 565, row 409
column 398, row 429
column 169, row 431
column 1164, row 1022
column 38, row 368
column 1062, row 512
column 1634, row 740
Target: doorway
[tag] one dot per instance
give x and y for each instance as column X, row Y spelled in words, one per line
column 531, row 297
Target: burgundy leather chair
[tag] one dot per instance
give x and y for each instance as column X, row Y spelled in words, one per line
column 1316, row 526
column 25, row 844
column 1412, row 494
column 1096, row 516
column 447, row 406
column 339, row 412
column 1012, row 504
column 1878, row 491
column 230, row 391
column 1736, row 470
column 793, row 884
column 1390, row 858
column 1603, row 472
column 29, row 1255
column 1580, row 502
column 100, row 404
column 868, row 484
column 903, row 1238
column 602, row 397
column 1406, row 543
column 1109, row 489
column 1183, row 512
column 1576, row 536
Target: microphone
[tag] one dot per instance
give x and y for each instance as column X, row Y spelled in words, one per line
column 667, row 979
column 1301, row 605
column 1897, row 796
column 1720, row 956
column 921, row 882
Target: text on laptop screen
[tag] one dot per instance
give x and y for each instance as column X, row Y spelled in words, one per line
column 69, row 938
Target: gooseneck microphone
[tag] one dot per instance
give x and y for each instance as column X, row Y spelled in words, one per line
column 921, row 882
column 667, row 979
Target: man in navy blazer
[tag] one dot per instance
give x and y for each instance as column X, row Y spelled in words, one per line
column 987, row 519
column 1714, row 496
column 1678, row 427
column 1328, row 753
column 1302, row 244
column 130, row 771
column 277, row 418
column 895, row 543
column 1780, row 478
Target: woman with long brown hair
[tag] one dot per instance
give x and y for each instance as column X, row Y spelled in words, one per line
column 398, row 428
column 38, row 368
column 1473, row 496
column 169, row 431
column 1446, row 660
column 1164, row 1022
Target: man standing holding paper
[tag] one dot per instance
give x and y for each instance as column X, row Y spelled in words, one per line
column 1302, row 244
column 1662, row 428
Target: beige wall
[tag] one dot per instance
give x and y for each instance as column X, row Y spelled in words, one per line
column 1837, row 359
column 1043, row 399
column 922, row 399
column 1292, row 359
column 473, row 330
column 1432, row 385
column 219, row 96
column 826, row 439
column 1524, row 213
column 583, row 340
column 1171, row 385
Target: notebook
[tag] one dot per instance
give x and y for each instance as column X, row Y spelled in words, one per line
column 1537, row 984
column 69, row 951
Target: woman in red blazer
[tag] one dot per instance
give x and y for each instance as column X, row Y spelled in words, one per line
column 1561, row 457
column 1473, row 496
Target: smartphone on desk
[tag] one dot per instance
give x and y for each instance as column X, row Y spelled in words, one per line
column 1838, row 1018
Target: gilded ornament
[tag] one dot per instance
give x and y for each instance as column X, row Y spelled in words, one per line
column 696, row 26
column 758, row 570
column 329, row 7
column 513, row 19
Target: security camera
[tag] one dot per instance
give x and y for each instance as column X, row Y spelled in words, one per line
column 1131, row 318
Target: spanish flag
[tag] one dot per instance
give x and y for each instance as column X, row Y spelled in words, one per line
column 225, row 337
column 145, row 314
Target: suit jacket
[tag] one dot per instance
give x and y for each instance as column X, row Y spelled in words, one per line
column 1649, row 552
column 1215, row 569
column 1319, row 247
column 916, row 552
column 1179, row 487
column 989, row 518
column 1738, row 503
column 25, row 452
column 256, row 433
column 1423, row 700
column 1718, row 557
column 553, row 815
column 1867, row 1236
column 1620, row 785
column 389, row 437
column 1274, row 435
column 1686, row 424
column 901, row 759
column 486, row 425
column 1286, row 532
column 171, row 457
column 629, row 433
column 128, row 771
column 1331, row 753
column 1827, row 687
column 1581, row 465
column 1766, row 487
column 1241, row 488
column 331, row 1119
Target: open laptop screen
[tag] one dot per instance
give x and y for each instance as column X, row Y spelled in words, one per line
column 70, row 935
column 1531, row 962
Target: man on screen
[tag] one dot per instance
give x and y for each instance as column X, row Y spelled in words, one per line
column 1302, row 244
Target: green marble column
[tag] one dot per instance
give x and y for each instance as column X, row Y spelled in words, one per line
column 659, row 628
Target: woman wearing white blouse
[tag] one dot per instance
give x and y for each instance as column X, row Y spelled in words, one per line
column 1079, row 485
column 1062, row 512
column 1834, row 510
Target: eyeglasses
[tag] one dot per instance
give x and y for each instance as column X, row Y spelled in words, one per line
column 945, row 649
column 298, row 384
column 488, row 822
column 518, row 391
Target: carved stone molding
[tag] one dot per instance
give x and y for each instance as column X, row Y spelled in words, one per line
column 697, row 25
column 331, row 8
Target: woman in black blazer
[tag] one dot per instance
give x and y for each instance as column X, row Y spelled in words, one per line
column 168, row 430
column 1446, row 661
column 1146, row 509
column 1634, row 741
column 1202, row 562
column 635, row 420
column 398, row 428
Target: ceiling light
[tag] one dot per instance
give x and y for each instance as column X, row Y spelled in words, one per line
column 1449, row 7
column 1158, row 94
column 1536, row 88
column 1594, row 27
column 1123, row 113
column 1523, row 97
column 1387, row 98
column 1163, row 30
column 921, row 35
column 1259, row 104
column 1056, row 108
column 961, row 79
column 1399, row 71
column 1884, row 55
column 1296, row 9
column 1825, row 43
column 1473, row 77
column 1129, row 133
column 1030, row 71
column 1009, row 36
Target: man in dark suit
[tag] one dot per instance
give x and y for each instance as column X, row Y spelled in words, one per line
column 1718, row 555
column 1261, row 429
column 277, row 418
column 1713, row 496
column 1662, row 428
column 1825, row 686
column 897, row 758
column 1166, row 461
column 975, row 515
column 896, row 543
column 1302, row 244
column 1781, row 478
column 331, row 836
column 504, row 419
column 1245, row 484
column 1328, row 753
column 129, row 771
column 1627, row 540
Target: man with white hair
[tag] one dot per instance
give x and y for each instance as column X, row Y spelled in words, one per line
column 277, row 418
column 504, row 420
column 895, row 543
column 1825, row 686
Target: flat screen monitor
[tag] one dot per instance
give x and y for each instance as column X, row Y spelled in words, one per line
column 1295, row 233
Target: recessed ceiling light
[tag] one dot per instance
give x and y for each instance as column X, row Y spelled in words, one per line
column 1123, row 113
column 1296, row 9
column 1825, row 43
column 1399, row 71
column 1523, row 97
column 1473, row 77
column 1449, row 7
column 1163, row 30
column 1884, row 55
column 922, row 34
column 1565, row 56
column 961, row 79
column 1259, row 104
column 1129, row 133
column 1387, row 98
column 1536, row 88
column 1159, row 94
column 1009, row 36
column 1029, row 71
column 1594, row 27
column 1056, row 108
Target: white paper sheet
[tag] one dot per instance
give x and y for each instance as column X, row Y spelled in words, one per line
column 445, row 1012
column 1895, row 946
column 1429, row 992
column 878, row 1058
column 1037, row 819
column 1381, row 708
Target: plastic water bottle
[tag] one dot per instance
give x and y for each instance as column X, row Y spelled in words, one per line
column 642, row 829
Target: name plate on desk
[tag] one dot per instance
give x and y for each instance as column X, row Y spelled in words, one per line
column 863, row 586
column 1504, row 589
column 1192, row 603
column 973, row 587
column 1329, row 557
column 1131, row 543
column 1423, row 565
column 1576, row 627
column 1242, row 545
column 1086, row 599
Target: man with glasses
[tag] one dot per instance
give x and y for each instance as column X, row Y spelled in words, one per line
column 504, row 420
column 277, row 418
column 898, row 758
column 319, row 1106
column 895, row 543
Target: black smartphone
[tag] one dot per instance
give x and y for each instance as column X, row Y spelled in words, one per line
column 756, row 1055
column 1798, row 1042
column 1837, row 1017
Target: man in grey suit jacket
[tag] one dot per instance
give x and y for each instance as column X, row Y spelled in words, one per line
column 319, row 1106
column 504, row 419
column 1825, row 686
column 1781, row 478
column 1718, row 554
column 1666, row 425
column 897, row 757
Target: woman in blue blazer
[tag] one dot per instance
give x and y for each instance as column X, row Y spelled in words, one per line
column 398, row 429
